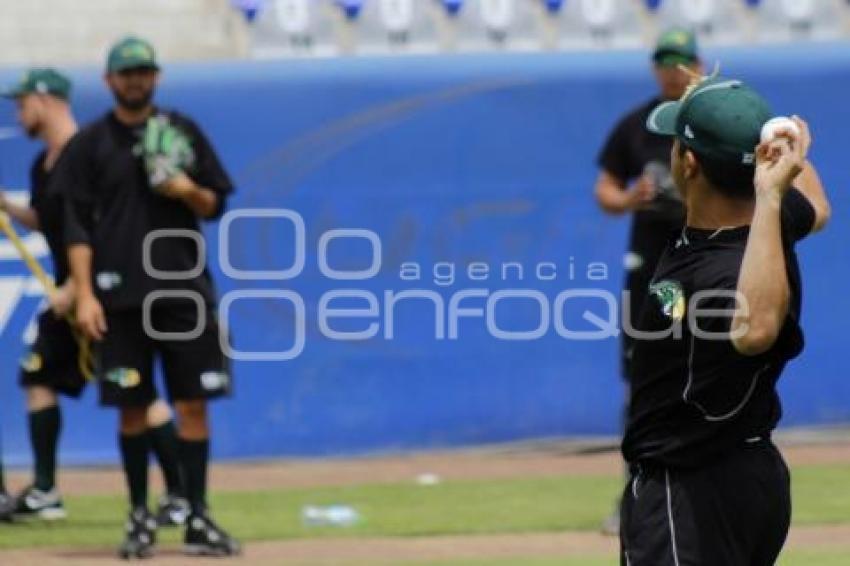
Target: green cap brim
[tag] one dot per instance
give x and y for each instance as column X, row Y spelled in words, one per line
column 673, row 59
column 127, row 65
column 662, row 120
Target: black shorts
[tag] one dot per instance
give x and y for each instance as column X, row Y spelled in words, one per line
column 735, row 512
column 53, row 359
column 193, row 368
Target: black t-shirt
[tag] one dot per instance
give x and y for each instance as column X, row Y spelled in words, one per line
column 47, row 201
column 111, row 206
column 695, row 397
column 629, row 152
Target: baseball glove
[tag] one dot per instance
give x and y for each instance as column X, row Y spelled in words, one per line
column 166, row 150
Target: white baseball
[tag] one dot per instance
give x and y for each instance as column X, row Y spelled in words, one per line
column 774, row 125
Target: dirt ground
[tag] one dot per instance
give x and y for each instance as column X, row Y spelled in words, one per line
column 514, row 461
column 390, row 551
column 510, row 462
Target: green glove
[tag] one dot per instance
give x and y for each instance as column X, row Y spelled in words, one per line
column 166, row 150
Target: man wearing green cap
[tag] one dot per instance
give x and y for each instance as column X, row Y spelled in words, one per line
column 634, row 178
column 52, row 367
column 721, row 320
column 139, row 180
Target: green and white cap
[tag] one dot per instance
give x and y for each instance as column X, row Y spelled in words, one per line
column 40, row 81
column 720, row 118
column 676, row 46
column 131, row 53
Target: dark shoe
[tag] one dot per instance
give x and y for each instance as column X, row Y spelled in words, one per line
column 173, row 511
column 7, row 507
column 34, row 503
column 205, row 538
column 141, row 535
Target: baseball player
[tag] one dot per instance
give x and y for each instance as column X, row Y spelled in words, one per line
column 130, row 175
column 635, row 179
column 7, row 502
column 51, row 366
column 707, row 485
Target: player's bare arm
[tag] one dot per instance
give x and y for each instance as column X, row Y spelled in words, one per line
column 22, row 214
column 808, row 181
column 90, row 317
column 763, row 281
column 62, row 299
column 201, row 200
column 615, row 198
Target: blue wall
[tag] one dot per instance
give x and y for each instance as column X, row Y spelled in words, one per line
column 448, row 159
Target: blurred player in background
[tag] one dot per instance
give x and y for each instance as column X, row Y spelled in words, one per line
column 708, row 486
column 51, row 366
column 7, row 502
column 635, row 178
column 133, row 172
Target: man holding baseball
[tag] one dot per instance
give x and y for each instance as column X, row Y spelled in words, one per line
column 52, row 365
column 720, row 322
column 138, row 181
column 635, row 179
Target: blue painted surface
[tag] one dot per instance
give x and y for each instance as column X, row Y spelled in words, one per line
column 448, row 159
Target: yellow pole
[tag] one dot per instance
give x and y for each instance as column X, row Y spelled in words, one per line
column 85, row 359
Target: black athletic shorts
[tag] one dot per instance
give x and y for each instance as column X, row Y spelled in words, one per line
column 193, row 368
column 53, row 358
column 733, row 512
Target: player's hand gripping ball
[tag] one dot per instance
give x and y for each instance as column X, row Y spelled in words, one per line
column 776, row 125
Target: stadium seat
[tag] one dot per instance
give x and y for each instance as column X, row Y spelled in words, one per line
column 249, row 8
column 583, row 24
column 292, row 28
column 395, row 26
column 715, row 21
column 452, row 7
column 323, row 27
column 783, row 20
column 351, row 8
column 497, row 24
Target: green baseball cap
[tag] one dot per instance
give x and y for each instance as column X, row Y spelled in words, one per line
column 131, row 53
column 41, row 81
column 676, row 46
column 721, row 118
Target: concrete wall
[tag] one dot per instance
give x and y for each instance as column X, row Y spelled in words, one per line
column 59, row 32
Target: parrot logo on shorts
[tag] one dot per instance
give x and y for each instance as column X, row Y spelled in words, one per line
column 124, row 378
column 672, row 298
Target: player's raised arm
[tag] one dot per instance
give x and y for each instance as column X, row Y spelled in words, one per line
column 808, row 181
column 763, row 280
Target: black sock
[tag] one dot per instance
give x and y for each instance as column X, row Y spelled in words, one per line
column 163, row 441
column 134, row 455
column 45, row 426
column 2, row 480
column 194, row 454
